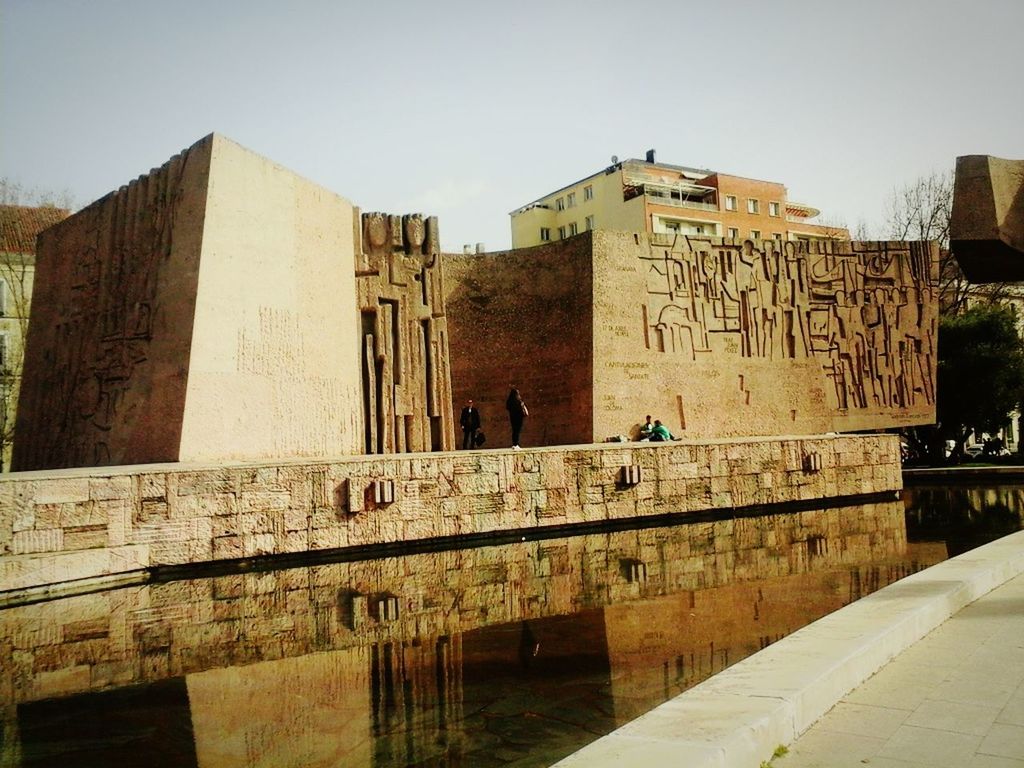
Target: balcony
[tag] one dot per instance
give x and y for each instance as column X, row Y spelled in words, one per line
column 671, row 201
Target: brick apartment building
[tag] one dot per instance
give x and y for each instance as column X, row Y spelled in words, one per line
column 647, row 196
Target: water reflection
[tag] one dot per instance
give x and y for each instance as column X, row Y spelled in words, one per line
column 964, row 516
column 507, row 655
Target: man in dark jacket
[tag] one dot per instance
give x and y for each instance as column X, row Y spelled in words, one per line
column 470, row 423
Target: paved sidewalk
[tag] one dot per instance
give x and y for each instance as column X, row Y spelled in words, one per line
column 955, row 698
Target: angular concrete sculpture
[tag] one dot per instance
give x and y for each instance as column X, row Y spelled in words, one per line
column 717, row 338
column 207, row 312
column 987, row 226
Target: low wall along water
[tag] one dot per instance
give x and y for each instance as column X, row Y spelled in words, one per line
column 74, row 529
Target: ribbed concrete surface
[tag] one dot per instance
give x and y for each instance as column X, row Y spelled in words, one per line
column 741, row 715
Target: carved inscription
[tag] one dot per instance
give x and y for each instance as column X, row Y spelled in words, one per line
column 859, row 309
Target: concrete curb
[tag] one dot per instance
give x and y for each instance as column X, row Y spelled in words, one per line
column 738, row 717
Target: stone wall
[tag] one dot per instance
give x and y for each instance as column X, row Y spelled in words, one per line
column 524, row 318
column 714, row 337
column 111, row 324
column 731, row 338
column 58, row 527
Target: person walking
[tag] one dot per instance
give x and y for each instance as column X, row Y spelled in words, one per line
column 517, row 411
column 469, row 420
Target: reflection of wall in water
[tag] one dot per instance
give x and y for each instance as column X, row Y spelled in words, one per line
column 178, row 628
column 659, row 648
column 407, row 637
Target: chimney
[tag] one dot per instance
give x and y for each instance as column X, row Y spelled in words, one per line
column 650, row 155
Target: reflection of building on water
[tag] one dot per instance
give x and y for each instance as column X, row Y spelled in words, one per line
column 440, row 656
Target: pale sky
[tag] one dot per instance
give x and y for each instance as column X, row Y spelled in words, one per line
column 469, row 109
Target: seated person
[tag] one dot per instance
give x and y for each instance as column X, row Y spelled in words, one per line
column 660, row 433
column 645, row 430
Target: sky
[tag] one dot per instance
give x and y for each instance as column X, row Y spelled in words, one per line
column 469, row 109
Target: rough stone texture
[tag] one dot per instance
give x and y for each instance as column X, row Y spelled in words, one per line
column 714, row 337
column 173, row 515
column 524, row 318
column 208, row 311
column 403, row 335
column 987, row 225
column 702, row 576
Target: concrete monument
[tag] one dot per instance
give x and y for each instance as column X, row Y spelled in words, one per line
column 717, row 338
column 208, row 311
column 987, row 226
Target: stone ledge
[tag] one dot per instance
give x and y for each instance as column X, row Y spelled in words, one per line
column 185, row 515
column 739, row 716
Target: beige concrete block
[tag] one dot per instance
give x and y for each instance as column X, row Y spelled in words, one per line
column 85, row 537
column 325, row 538
column 262, row 500
column 82, row 514
column 227, row 547
column 151, row 511
column 25, row 542
column 108, row 488
column 152, row 486
column 476, row 483
column 64, row 489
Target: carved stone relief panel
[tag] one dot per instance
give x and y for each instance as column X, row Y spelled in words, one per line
column 404, row 347
column 865, row 312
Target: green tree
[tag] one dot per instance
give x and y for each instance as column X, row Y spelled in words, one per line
column 980, row 372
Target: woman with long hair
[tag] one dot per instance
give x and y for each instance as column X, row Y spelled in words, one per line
column 517, row 411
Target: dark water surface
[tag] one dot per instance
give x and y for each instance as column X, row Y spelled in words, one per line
column 510, row 655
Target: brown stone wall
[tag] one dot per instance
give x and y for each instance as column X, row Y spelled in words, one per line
column 106, row 356
column 718, row 338
column 57, row 528
column 524, row 317
column 714, row 337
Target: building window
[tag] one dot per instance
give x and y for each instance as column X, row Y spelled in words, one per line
column 589, row 223
column 570, row 200
column 588, row 192
column 753, row 206
column 560, row 204
column 777, row 236
column 730, row 202
column 572, row 229
column 561, row 233
column 773, row 209
column 545, row 234
column 755, row 234
column 734, row 233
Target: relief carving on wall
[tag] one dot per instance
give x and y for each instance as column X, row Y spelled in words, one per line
column 104, row 326
column 863, row 310
column 404, row 335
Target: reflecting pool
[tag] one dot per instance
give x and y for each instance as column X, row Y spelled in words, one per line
column 509, row 655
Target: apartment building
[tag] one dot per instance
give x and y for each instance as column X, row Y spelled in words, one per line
column 647, row 196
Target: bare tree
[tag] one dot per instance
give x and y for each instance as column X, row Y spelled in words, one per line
column 17, row 270
column 16, row 193
column 16, row 273
column 922, row 210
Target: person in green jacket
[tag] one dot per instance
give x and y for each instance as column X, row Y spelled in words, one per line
column 660, row 432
